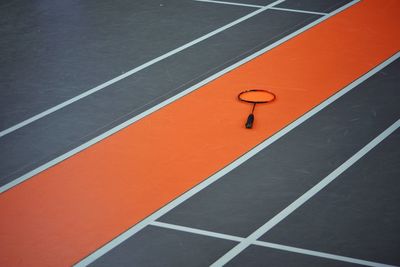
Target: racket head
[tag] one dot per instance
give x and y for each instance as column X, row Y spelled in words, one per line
column 256, row 96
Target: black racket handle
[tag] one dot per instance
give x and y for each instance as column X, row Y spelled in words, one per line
column 250, row 120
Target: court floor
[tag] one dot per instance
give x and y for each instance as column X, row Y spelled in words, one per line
column 123, row 142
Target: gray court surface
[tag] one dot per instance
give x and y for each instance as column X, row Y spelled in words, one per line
column 357, row 216
column 312, row 5
column 260, row 256
column 54, row 51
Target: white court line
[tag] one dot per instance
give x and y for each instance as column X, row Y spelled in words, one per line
column 257, row 6
column 304, row 198
column 270, row 245
column 166, row 102
column 298, row 11
column 197, row 231
column 228, row 3
column 135, row 70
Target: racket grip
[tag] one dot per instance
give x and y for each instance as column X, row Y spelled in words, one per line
column 249, row 122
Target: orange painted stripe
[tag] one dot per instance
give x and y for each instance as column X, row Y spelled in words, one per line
column 69, row 210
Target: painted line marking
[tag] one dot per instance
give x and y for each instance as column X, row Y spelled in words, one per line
column 197, row 231
column 299, row 11
column 270, row 245
column 305, row 197
column 168, row 101
column 135, row 70
column 137, row 227
column 257, row 6
column 228, row 3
